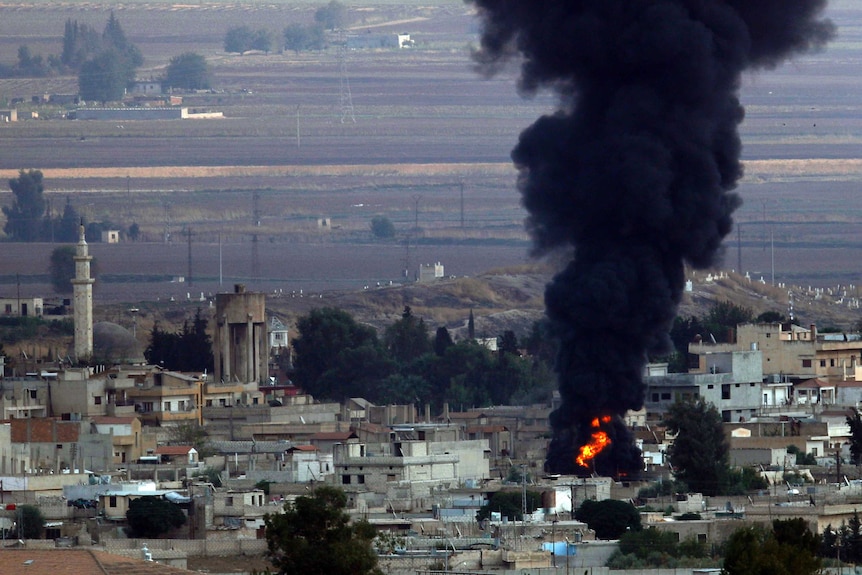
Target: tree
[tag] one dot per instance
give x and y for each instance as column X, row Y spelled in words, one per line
column 442, row 341
column 188, row 350
column 788, row 549
column 24, row 216
column 314, row 535
column 238, row 39
column 854, row 421
column 722, row 319
column 32, row 522
column 134, row 232
column 332, row 16
column 510, row 504
column 80, row 42
column 700, row 452
column 262, row 40
column 609, row 518
column 295, row 37
column 191, row 433
column 407, row 338
column 150, row 516
column 382, row 227
column 188, row 71
column 104, row 78
column 508, row 344
column 330, row 343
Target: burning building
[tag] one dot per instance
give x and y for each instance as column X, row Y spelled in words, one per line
column 634, row 173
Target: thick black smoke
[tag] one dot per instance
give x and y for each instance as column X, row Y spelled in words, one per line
column 635, row 171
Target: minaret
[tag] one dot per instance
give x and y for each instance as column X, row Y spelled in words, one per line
column 82, row 286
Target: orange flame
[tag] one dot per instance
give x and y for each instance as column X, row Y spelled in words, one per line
column 598, row 441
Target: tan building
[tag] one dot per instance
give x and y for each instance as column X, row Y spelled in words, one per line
column 796, row 353
column 168, row 397
column 127, row 437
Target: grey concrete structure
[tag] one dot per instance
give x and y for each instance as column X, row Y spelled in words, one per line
column 240, row 345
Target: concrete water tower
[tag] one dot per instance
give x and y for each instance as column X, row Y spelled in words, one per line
column 240, row 346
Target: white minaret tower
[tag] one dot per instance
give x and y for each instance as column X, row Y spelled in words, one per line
column 82, row 286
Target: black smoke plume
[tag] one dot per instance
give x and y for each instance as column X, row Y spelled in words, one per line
column 634, row 172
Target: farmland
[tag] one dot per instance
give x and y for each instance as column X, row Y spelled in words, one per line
column 424, row 141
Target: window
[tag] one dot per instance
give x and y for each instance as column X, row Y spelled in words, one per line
column 360, row 479
column 32, row 394
column 181, row 405
column 345, row 480
column 222, row 402
column 8, row 308
column 832, row 362
column 167, row 406
column 209, row 403
column 655, row 397
column 112, row 501
column 822, row 363
column 391, row 477
column 665, row 395
column 725, row 391
column 806, row 363
column 97, row 400
column 228, row 501
column 710, row 386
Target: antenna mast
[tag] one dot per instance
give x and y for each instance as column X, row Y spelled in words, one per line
column 346, row 98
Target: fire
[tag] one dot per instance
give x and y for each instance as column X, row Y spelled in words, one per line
column 598, row 441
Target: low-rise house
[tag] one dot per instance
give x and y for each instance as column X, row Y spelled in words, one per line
column 305, row 463
column 179, row 454
column 127, row 437
column 236, row 509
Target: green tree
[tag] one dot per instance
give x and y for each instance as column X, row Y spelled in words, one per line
column 104, row 78
column 722, row 319
column 700, row 451
column 382, row 227
column 32, row 522
column 407, row 338
column 508, row 343
column 188, row 350
column 188, row 71
column 788, row 549
column 24, row 216
column 333, row 354
column 314, row 535
column 238, row 39
column 854, row 421
column 442, row 341
column 134, row 232
column 191, row 433
column 609, row 518
column 150, row 516
column 332, row 16
column 295, row 37
column 31, row 65
column 262, row 40
column 80, row 43
column 510, row 504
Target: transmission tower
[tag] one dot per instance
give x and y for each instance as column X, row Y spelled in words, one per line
column 346, row 98
column 255, row 256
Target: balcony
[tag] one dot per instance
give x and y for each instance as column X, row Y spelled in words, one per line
column 121, row 409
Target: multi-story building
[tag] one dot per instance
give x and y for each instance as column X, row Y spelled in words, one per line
column 168, row 397
column 733, row 383
column 794, row 353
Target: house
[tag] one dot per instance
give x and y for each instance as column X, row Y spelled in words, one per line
column 733, row 384
column 796, row 353
column 814, row 390
column 22, row 307
column 9, row 115
column 167, row 397
column 236, row 509
column 49, row 445
column 305, row 463
column 146, row 87
column 83, row 561
column 179, row 454
column 430, row 272
column 127, row 438
column 277, row 336
column 111, row 236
